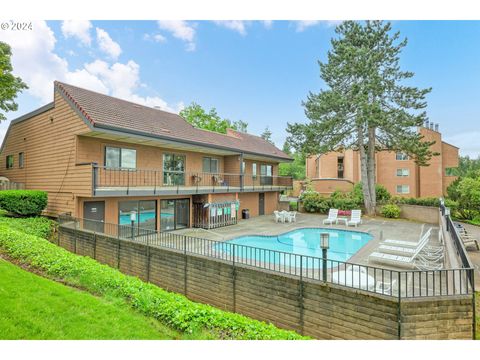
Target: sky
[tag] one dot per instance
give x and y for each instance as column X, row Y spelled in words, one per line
column 255, row 71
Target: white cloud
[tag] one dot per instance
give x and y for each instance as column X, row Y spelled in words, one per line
column 302, row 25
column 79, row 29
column 159, row 38
column 107, row 45
column 467, row 142
column 267, row 23
column 235, row 25
column 180, row 29
column 117, row 79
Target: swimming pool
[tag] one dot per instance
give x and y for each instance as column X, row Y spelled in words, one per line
column 306, row 241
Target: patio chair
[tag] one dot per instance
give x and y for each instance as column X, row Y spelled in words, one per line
column 292, row 216
column 469, row 240
column 356, row 218
column 405, row 243
column 397, row 260
column 332, row 217
column 278, row 217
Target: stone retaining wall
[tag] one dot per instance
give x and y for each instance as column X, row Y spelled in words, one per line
column 323, row 311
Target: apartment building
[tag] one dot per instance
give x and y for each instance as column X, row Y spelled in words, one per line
column 106, row 159
column 395, row 170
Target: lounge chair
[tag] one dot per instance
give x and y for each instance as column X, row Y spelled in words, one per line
column 397, row 260
column 469, row 240
column 332, row 217
column 405, row 250
column 356, row 218
column 404, row 243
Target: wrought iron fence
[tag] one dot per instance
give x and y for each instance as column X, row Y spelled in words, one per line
column 392, row 283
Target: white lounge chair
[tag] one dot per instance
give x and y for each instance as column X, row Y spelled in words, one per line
column 403, row 250
column 397, row 260
column 278, row 217
column 356, row 218
column 385, row 287
column 332, row 217
column 404, row 243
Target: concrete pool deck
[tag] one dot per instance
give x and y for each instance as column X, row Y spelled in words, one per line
column 379, row 228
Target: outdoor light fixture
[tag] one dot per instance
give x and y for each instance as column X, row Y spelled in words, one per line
column 324, row 244
column 133, row 217
column 447, row 211
column 324, row 241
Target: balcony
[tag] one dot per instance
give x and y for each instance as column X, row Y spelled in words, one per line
column 142, row 182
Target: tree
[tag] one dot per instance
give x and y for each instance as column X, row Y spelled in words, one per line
column 267, row 135
column 287, row 149
column 10, row 85
column 296, row 168
column 366, row 106
column 199, row 118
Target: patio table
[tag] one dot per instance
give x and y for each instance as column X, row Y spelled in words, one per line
column 354, row 279
column 343, row 219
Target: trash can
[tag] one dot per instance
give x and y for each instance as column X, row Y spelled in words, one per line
column 245, row 214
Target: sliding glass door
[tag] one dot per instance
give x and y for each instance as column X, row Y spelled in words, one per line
column 174, row 214
column 145, row 212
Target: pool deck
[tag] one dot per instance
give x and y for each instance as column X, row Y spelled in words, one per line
column 379, row 228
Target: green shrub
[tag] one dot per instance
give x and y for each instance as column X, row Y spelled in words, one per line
column 391, row 211
column 293, row 206
column 429, row 201
column 381, row 192
column 38, row 226
column 314, row 202
column 171, row 309
column 23, row 202
column 345, row 204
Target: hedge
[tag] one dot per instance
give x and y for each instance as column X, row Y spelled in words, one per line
column 23, row 202
column 172, row 309
column 391, row 211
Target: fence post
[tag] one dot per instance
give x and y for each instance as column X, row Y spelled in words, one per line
column 75, row 238
column 185, row 265
column 399, row 312
column 473, row 304
column 234, row 280
column 95, row 245
column 148, row 258
column 118, row 253
column 301, row 297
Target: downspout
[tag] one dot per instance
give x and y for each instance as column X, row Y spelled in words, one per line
column 242, row 171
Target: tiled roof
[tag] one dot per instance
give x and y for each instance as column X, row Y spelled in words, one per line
column 109, row 112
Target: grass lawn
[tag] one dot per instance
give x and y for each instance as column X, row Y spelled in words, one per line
column 32, row 307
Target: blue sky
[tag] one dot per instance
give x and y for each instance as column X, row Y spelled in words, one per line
column 258, row 71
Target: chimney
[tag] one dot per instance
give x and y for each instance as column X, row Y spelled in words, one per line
column 233, row 133
column 436, row 127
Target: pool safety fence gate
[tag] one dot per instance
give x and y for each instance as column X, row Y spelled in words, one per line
column 215, row 215
column 377, row 280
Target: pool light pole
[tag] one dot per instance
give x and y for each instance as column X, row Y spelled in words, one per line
column 324, row 244
column 133, row 216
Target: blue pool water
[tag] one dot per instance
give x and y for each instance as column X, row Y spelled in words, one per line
column 144, row 217
column 306, row 242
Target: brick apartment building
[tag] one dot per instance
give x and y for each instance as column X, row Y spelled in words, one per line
column 395, row 170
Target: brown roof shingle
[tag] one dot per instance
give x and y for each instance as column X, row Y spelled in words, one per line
column 109, row 112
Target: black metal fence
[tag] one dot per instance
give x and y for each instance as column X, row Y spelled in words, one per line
column 157, row 181
column 392, row 283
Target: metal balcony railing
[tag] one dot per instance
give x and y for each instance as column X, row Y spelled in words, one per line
column 126, row 181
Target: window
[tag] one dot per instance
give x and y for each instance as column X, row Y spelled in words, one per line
column 266, row 175
column 403, row 189
column 452, row 171
column 401, row 156
column 210, row 165
column 403, row 172
column 254, row 170
column 340, row 167
column 145, row 216
column 9, row 162
column 120, row 158
column 20, row 160
column 173, row 169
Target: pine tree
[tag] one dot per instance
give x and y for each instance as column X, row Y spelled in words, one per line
column 267, row 135
column 367, row 105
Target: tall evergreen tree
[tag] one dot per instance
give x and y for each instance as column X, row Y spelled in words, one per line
column 367, row 105
column 10, row 85
column 267, row 135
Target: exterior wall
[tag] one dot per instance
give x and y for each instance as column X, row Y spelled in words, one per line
column 328, row 186
column 323, row 311
column 148, row 157
column 423, row 181
column 249, row 201
column 449, row 160
column 232, row 164
column 431, row 176
column 48, row 141
column 425, row 214
column 387, row 166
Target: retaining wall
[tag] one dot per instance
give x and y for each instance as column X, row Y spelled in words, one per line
column 323, row 311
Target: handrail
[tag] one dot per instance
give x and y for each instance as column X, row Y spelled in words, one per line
column 391, row 283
